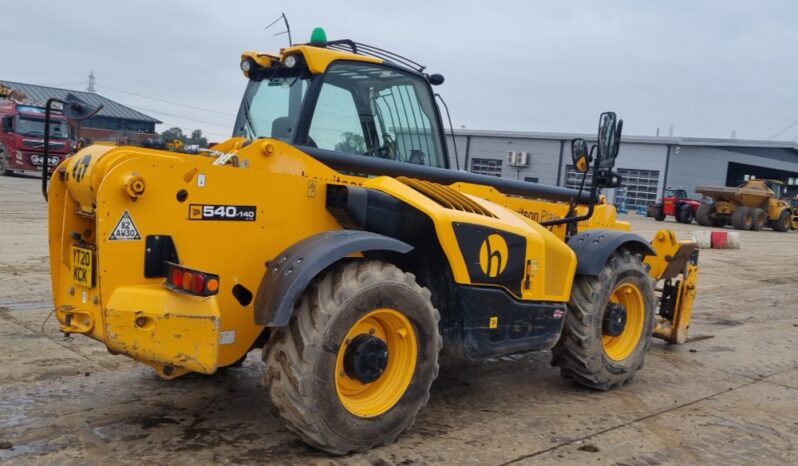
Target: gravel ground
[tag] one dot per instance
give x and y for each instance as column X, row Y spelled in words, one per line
column 730, row 397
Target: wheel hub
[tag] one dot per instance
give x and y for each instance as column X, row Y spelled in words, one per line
column 366, row 358
column 614, row 320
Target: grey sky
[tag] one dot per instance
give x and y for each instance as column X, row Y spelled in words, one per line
column 707, row 67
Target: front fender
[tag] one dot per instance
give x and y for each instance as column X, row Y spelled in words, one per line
column 290, row 273
column 594, row 247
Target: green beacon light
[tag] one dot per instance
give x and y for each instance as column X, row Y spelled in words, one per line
column 318, row 37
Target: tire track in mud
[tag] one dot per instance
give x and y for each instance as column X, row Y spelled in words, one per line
column 650, row 416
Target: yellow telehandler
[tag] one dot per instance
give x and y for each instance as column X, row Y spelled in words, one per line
column 331, row 232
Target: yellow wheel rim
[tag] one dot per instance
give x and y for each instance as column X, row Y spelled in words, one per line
column 620, row 347
column 375, row 398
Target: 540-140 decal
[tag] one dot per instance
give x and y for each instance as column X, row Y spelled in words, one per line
column 244, row 213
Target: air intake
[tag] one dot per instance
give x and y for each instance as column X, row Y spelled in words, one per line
column 446, row 196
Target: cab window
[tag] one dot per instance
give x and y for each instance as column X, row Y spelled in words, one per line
column 373, row 110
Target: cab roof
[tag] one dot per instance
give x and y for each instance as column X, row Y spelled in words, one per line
column 319, row 55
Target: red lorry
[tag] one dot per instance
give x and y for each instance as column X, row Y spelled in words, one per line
column 675, row 202
column 22, row 137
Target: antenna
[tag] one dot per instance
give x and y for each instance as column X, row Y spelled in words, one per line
column 287, row 28
column 91, row 82
column 451, row 130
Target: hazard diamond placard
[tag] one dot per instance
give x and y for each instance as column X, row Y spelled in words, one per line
column 125, row 229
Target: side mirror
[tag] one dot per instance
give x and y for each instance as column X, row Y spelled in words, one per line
column 76, row 110
column 609, row 139
column 580, row 155
column 7, row 124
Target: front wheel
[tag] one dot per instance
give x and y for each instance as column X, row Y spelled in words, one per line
column 356, row 363
column 3, row 164
column 609, row 324
column 783, row 223
column 686, row 214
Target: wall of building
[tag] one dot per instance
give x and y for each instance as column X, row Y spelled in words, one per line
column 123, row 137
column 544, row 155
column 636, row 157
column 692, row 166
column 639, row 162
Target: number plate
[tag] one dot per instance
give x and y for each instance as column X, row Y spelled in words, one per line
column 82, row 266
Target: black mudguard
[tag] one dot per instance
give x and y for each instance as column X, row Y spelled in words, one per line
column 291, row 271
column 594, row 247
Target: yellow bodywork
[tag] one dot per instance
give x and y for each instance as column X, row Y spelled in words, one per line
column 675, row 259
column 281, row 181
column 108, row 200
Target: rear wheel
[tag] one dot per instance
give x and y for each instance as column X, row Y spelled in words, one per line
column 659, row 213
column 355, row 365
column 743, row 218
column 609, row 324
column 686, row 214
column 704, row 215
column 783, row 222
column 759, row 219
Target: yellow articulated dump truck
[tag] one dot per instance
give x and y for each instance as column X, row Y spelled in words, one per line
column 753, row 205
column 331, row 232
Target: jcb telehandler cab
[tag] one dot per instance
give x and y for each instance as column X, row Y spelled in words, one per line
column 331, row 232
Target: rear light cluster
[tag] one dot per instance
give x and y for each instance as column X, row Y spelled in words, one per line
column 191, row 281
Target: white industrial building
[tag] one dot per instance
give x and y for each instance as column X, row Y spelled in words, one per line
column 647, row 164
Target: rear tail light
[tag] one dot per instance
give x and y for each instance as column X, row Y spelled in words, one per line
column 176, row 277
column 191, row 281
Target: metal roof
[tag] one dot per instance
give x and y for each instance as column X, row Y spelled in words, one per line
column 674, row 141
column 110, row 108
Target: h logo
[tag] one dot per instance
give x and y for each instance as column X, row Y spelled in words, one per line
column 80, row 168
column 493, row 255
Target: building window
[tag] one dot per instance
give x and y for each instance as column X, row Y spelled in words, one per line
column 573, row 178
column 532, row 179
column 638, row 187
column 641, row 187
column 492, row 167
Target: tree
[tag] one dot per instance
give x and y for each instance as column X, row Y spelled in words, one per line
column 176, row 133
column 198, row 139
column 173, row 133
column 351, row 144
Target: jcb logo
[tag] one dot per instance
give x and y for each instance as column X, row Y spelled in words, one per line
column 493, row 255
column 80, row 168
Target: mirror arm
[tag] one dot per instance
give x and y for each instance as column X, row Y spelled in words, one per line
column 590, row 207
column 46, row 157
column 586, row 216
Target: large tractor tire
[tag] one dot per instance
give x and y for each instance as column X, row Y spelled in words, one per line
column 609, row 324
column 760, row 218
column 704, row 215
column 784, row 221
column 743, row 218
column 686, row 214
column 356, row 363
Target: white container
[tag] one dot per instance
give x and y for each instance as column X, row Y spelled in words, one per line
column 703, row 239
column 733, row 240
